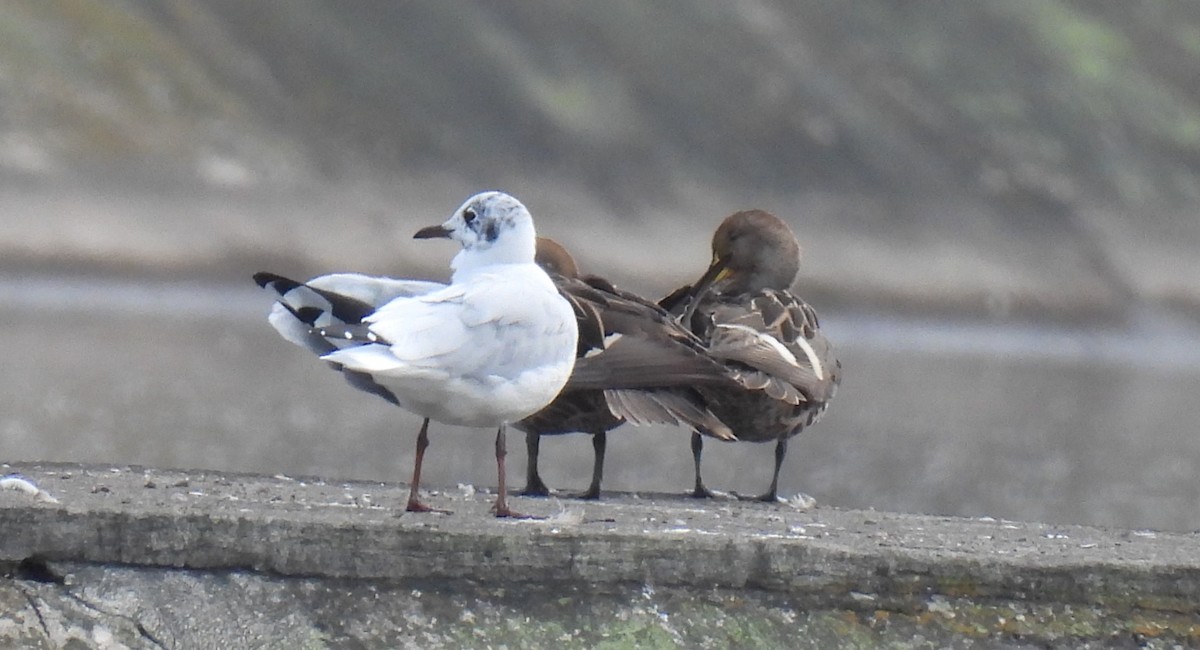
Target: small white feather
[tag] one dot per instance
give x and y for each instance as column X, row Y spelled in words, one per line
column 27, row 486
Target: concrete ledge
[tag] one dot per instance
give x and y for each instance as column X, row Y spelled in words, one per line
column 315, row 528
column 134, row 520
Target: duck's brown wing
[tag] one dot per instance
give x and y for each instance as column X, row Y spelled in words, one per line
column 776, row 342
column 638, row 357
column 667, row 406
column 627, row 342
column 572, row 411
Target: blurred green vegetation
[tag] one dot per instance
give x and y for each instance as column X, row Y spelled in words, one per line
column 1033, row 154
column 1053, row 100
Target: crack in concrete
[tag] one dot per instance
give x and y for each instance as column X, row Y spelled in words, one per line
column 142, row 630
column 37, row 609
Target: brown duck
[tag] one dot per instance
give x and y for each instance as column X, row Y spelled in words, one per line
column 634, row 363
column 743, row 310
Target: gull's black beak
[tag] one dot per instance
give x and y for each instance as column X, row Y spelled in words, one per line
column 432, row 232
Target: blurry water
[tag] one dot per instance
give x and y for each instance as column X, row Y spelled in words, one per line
column 1017, row 422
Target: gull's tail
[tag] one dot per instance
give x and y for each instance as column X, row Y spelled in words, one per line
column 300, row 308
column 318, row 315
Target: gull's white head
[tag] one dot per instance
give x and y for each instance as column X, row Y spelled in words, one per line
column 493, row 228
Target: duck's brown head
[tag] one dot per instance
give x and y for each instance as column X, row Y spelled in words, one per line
column 554, row 258
column 752, row 250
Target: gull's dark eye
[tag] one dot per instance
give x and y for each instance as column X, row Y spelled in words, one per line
column 469, row 215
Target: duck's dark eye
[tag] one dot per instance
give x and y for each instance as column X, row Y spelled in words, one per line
column 469, row 215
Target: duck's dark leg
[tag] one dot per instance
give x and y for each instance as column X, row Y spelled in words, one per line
column 772, row 493
column 534, row 487
column 700, row 492
column 414, row 497
column 599, row 444
column 501, row 507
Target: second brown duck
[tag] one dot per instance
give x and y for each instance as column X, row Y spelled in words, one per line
column 743, row 309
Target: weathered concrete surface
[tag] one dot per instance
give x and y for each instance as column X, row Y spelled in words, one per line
column 157, row 558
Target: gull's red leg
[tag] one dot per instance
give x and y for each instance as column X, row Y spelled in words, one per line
column 414, row 499
column 501, row 507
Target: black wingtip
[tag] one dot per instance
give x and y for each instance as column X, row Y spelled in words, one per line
column 263, row 278
column 306, row 315
column 348, row 332
column 365, row 382
column 278, row 283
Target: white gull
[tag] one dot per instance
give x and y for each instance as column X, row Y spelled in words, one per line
column 494, row 346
